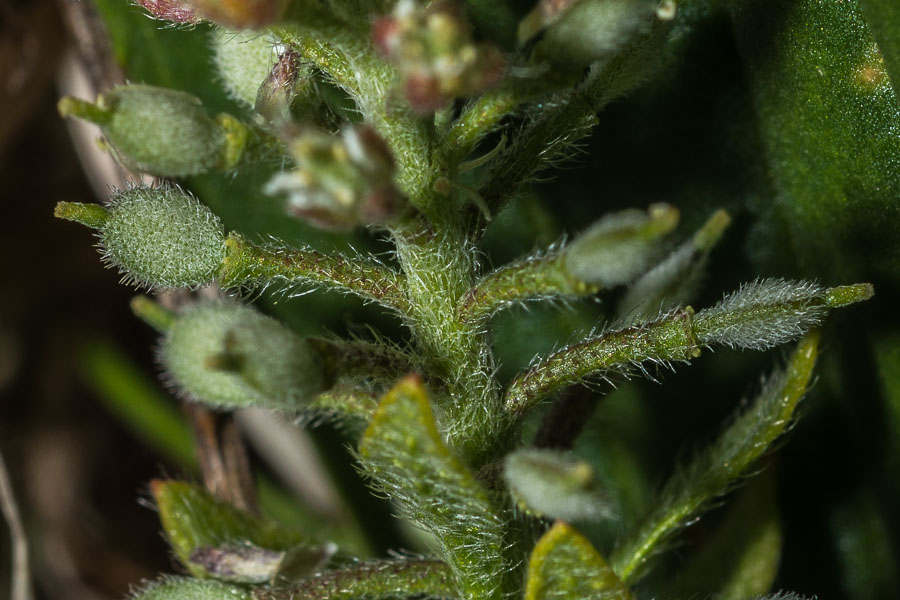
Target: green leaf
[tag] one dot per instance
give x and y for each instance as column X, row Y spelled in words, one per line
column 564, row 566
column 829, row 119
column 740, row 558
column 209, row 536
column 405, row 455
column 715, row 470
column 866, row 555
column 134, row 399
column 883, row 16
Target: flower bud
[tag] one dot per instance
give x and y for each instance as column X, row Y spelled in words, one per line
column 620, row 246
column 340, row 182
column 161, row 131
column 176, row 11
column 157, row 237
column 555, row 484
column 183, row 588
column 288, row 98
column 434, row 52
column 229, row 355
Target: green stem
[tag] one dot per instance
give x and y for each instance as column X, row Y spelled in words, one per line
column 358, row 359
column 530, row 279
column 246, row 264
column 91, row 215
column 668, row 338
column 75, row 107
column 440, row 270
column 483, row 115
column 153, row 313
column 372, row 580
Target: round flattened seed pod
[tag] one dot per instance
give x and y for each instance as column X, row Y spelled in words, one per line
column 163, row 238
column 163, row 132
column 183, row 588
column 229, row 355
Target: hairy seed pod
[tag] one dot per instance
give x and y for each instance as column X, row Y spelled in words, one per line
column 555, row 484
column 183, row 588
column 160, row 131
column 229, row 355
column 162, row 238
column 620, row 246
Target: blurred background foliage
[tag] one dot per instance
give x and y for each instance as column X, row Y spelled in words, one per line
column 783, row 113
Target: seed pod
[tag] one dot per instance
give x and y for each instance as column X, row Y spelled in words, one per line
column 555, row 484
column 183, row 588
column 163, row 238
column 229, row 355
column 620, row 246
column 161, row 131
column 158, row 237
column 592, row 30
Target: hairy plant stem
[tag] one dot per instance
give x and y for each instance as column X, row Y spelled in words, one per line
column 376, row 579
column 249, row 265
column 439, row 267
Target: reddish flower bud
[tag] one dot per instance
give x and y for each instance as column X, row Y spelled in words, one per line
column 177, row 11
column 434, row 52
column 340, row 182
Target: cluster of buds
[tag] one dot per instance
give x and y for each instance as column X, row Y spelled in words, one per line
column 340, row 181
column 432, row 47
column 235, row 14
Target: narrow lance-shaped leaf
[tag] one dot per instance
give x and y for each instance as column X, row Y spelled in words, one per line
column 716, row 469
column 740, row 558
column 760, row 315
column 565, row 566
column 404, row 454
column 674, row 281
column 214, row 539
column 671, row 337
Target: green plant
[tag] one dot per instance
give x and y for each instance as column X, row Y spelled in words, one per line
column 344, row 122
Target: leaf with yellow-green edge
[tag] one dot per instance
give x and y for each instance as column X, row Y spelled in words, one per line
column 212, row 538
column 714, row 471
column 741, row 556
column 406, row 457
column 883, row 17
column 829, row 119
column 565, row 566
